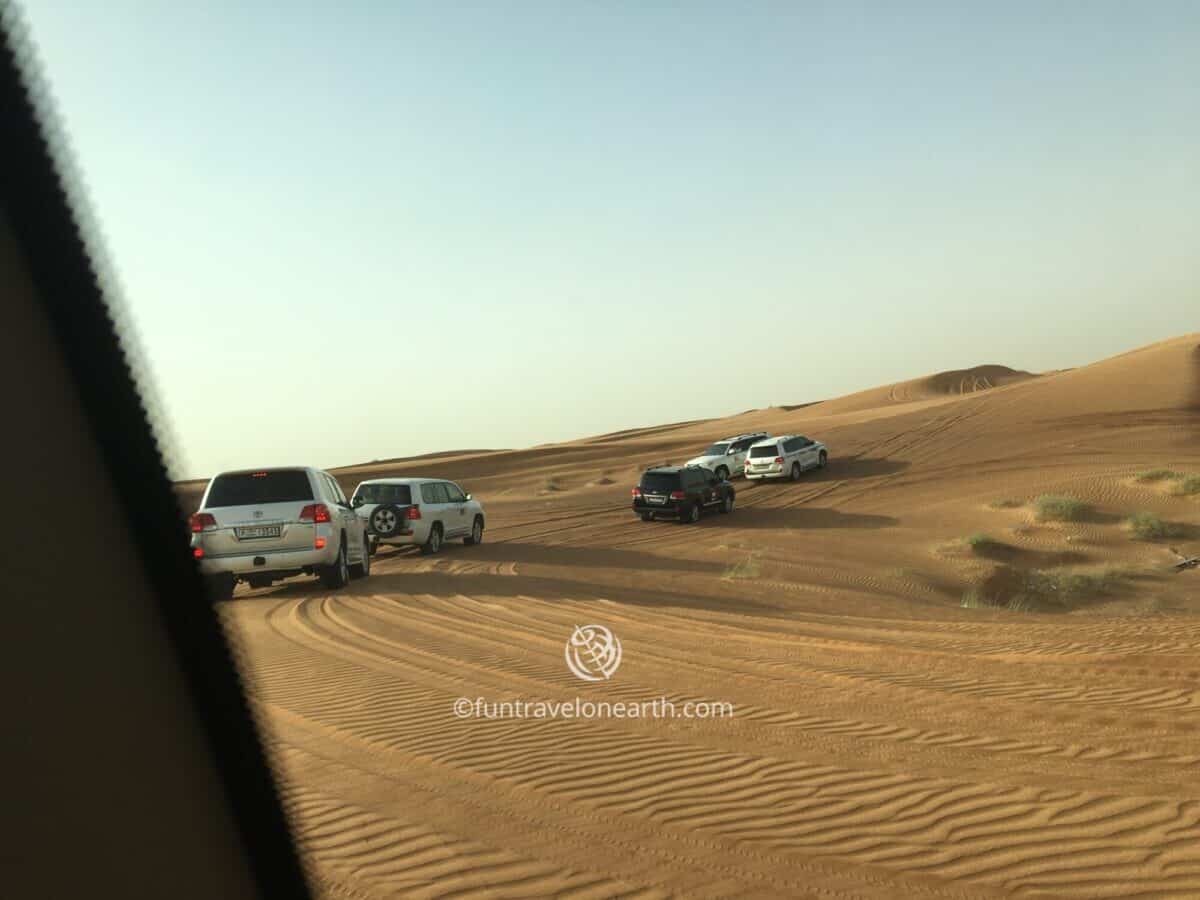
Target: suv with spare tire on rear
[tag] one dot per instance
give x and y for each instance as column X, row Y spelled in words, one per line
column 426, row 512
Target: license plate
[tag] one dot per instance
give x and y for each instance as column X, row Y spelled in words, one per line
column 258, row 531
column 656, row 501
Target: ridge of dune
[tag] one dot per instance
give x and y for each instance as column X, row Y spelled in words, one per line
column 939, row 386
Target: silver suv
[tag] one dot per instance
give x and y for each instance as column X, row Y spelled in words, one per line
column 261, row 525
column 727, row 457
column 422, row 511
column 785, row 457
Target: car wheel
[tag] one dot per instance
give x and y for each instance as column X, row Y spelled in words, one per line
column 476, row 535
column 647, row 517
column 220, row 587
column 727, row 504
column 337, row 575
column 722, row 473
column 795, row 471
column 822, row 459
column 434, row 542
column 363, row 569
column 386, row 520
column 692, row 516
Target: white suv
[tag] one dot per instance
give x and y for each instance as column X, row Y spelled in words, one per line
column 785, row 457
column 262, row 525
column 422, row 511
column 727, row 457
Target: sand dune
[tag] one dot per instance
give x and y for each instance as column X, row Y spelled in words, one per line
column 887, row 741
column 943, row 385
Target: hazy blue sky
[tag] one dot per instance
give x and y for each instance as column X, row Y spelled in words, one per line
column 356, row 231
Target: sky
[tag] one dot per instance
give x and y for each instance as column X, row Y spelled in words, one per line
column 359, row 231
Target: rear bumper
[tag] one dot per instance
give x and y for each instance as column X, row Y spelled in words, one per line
column 659, row 512
column 400, row 537
column 773, row 472
column 267, row 561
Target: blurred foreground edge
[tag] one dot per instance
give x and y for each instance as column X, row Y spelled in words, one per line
column 132, row 767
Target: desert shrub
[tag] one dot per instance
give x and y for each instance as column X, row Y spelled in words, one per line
column 1188, row 485
column 1147, row 526
column 747, row 568
column 979, row 541
column 1060, row 508
column 1022, row 590
column 1005, row 503
column 974, row 599
column 1156, row 475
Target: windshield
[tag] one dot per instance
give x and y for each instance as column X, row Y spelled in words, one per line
column 763, row 452
column 384, row 493
column 251, row 488
column 716, row 450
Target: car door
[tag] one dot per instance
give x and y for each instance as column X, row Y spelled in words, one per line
column 733, row 457
column 711, row 486
column 690, row 484
column 791, row 453
column 433, row 499
column 738, row 461
column 456, row 508
column 808, row 453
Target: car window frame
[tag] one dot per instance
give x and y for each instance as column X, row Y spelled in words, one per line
column 462, row 495
column 335, row 490
column 437, row 493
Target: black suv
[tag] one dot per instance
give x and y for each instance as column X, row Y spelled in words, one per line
column 680, row 492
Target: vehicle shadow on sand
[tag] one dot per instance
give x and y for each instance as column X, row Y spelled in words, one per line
column 853, row 467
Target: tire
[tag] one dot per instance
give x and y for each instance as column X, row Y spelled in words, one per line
column 822, row 460
column 796, row 470
column 337, row 575
column 727, row 504
column 386, row 519
column 476, row 535
column 363, row 569
column 220, row 587
column 692, row 517
column 647, row 517
column 722, row 473
column 434, row 542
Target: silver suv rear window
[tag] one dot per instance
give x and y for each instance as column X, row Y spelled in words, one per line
column 252, row 488
column 384, row 493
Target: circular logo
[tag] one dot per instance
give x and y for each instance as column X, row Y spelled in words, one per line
column 593, row 652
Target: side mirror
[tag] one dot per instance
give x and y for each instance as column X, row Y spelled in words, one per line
column 731, row 452
column 468, row 496
column 356, row 502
